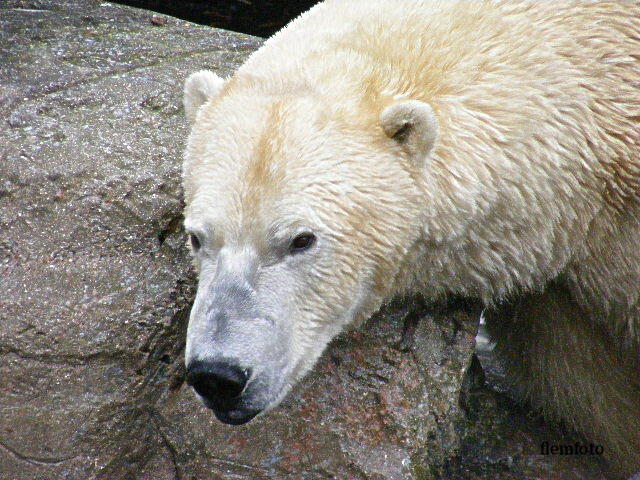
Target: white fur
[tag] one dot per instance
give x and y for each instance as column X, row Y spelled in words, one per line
column 418, row 125
column 518, row 171
column 198, row 88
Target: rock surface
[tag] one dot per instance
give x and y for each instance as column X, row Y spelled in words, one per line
column 96, row 287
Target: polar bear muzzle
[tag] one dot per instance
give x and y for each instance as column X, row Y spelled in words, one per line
column 236, row 354
column 221, row 384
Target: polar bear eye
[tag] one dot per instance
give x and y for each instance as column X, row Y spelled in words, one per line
column 302, row 242
column 195, row 242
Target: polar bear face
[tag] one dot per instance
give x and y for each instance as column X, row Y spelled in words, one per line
column 298, row 220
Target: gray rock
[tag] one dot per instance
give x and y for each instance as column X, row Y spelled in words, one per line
column 96, row 283
column 96, row 287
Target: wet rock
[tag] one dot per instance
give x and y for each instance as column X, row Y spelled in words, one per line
column 370, row 409
column 96, row 288
column 96, row 283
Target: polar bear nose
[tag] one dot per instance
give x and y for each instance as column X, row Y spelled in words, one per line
column 218, row 382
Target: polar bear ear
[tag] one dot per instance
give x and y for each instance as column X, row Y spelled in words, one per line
column 198, row 88
column 413, row 125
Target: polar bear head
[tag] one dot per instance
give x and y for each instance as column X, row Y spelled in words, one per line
column 300, row 213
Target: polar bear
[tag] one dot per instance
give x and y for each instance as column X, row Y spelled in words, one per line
column 367, row 151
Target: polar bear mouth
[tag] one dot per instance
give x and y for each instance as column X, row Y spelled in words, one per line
column 231, row 414
column 234, row 416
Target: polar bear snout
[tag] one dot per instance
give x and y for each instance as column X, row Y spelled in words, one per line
column 237, row 352
column 220, row 384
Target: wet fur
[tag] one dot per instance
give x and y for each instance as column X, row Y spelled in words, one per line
column 530, row 197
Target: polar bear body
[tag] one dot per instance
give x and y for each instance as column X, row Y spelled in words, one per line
column 488, row 150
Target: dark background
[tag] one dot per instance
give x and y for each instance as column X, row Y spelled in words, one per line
column 256, row 17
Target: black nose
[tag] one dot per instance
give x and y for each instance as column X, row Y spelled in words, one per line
column 220, row 382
